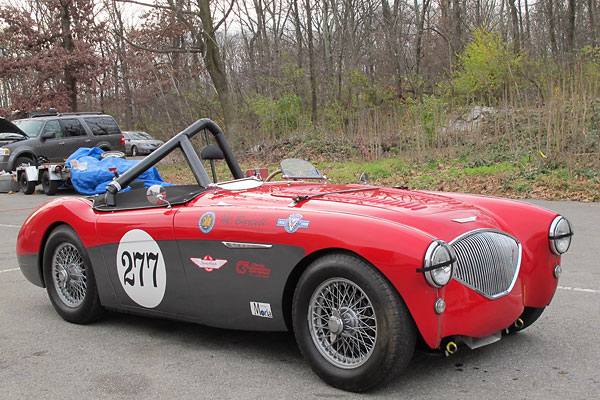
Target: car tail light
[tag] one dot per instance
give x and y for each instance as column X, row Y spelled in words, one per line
column 122, row 140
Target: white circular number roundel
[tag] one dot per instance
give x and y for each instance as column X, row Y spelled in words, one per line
column 141, row 268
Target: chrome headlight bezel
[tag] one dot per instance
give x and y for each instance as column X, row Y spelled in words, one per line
column 439, row 264
column 559, row 235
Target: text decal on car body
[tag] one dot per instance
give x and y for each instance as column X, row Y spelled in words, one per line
column 208, row 263
column 292, row 223
column 255, row 270
column 207, row 222
column 242, row 220
column 141, row 268
column 261, row 309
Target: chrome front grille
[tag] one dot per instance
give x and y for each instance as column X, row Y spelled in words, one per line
column 488, row 261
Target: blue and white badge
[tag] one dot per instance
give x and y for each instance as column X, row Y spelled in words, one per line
column 292, row 223
column 207, row 222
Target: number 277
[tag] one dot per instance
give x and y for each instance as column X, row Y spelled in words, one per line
column 138, row 261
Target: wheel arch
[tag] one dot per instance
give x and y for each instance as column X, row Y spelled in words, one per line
column 302, row 265
column 25, row 153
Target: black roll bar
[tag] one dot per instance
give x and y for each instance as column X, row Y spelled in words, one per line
column 181, row 140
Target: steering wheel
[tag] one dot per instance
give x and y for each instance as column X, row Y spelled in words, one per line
column 273, row 175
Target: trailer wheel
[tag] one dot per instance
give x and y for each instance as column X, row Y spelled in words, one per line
column 27, row 187
column 50, row 187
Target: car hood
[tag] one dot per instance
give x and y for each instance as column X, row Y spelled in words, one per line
column 9, row 132
column 440, row 216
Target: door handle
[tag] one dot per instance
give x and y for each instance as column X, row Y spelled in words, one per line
column 88, row 140
column 61, row 143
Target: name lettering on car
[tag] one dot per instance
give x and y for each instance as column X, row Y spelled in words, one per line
column 141, row 268
column 242, row 220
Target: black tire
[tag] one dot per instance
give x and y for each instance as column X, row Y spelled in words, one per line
column 72, row 290
column 50, row 186
column 529, row 316
column 393, row 328
column 134, row 151
column 23, row 160
column 25, row 186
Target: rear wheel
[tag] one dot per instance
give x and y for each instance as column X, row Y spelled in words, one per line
column 351, row 324
column 26, row 186
column 69, row 277
column 50, row 186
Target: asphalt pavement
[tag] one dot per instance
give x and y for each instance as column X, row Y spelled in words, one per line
column 131, row 357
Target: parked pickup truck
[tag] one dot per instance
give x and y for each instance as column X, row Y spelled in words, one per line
column 53, row 138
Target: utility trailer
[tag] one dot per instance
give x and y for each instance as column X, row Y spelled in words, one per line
column 51, row 176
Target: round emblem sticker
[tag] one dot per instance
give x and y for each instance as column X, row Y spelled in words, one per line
column 207, row 222
column 141, row 268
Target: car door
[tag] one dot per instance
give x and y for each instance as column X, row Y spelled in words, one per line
column 51, row 138
column 142, row 260
column 235, row 273
column 73, row 137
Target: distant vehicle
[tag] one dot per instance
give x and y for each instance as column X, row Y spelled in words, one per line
column 139, row 142
column 53, row 137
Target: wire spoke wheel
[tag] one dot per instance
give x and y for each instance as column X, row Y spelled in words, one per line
column 69, row 275
column 342, row 323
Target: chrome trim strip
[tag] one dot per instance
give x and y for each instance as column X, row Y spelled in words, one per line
column 243, row 245
column 477, row 274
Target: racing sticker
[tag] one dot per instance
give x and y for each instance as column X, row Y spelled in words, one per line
column 252, row 269
column 141, row 268
column 207, row 222
column 261, row 309
column 208, row 263
column 292, row 223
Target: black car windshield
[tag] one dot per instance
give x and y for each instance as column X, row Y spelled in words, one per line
column 140, row 136
column 30, row 127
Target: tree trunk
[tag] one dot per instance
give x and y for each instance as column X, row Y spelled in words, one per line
column 420, row 29
column 68, row 45
column 571, row 27
column 214, row 66
column 311, row 61
column 298, row 29
column 592, row 10
column 515, row 25
column 551, row 27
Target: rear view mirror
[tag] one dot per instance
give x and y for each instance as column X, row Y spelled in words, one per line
column 157, row 195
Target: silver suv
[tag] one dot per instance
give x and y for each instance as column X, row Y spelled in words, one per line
column 54, row 138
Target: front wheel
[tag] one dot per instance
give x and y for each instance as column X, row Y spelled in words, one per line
column 69, row 277
column 134, row 151
column 350, row 324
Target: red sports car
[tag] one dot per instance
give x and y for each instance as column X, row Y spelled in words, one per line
column 359, row 273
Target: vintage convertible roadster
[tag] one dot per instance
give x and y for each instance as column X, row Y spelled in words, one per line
column 361, row 274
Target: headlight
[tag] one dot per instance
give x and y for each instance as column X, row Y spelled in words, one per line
column 560, row 235
column 4, row 151
column 438, row 264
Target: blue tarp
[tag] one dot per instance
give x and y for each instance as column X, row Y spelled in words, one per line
column 90, row 174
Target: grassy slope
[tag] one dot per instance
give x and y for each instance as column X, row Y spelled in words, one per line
column 519, row 179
